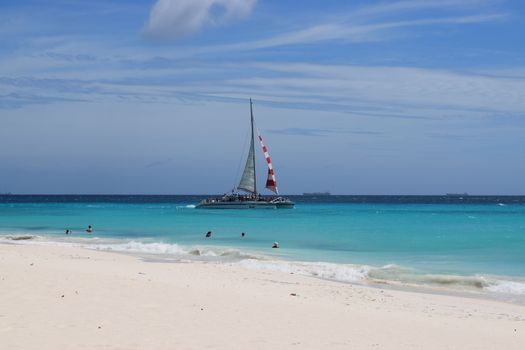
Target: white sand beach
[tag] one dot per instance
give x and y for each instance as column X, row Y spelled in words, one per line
column 54, row 297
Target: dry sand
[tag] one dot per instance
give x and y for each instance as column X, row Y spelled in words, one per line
column 54, row 297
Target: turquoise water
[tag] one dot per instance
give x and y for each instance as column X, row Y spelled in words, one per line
column 404, row 240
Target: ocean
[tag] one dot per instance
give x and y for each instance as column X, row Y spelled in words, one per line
column 472, row 244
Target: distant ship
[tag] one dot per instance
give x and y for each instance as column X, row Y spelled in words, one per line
column 250, row 199
column 317, row 194
column 465, row 194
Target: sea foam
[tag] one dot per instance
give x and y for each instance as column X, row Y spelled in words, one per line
column 348, row 273
column 177, row 251
column 507, row 287
column 336, row 272
column 139, row 247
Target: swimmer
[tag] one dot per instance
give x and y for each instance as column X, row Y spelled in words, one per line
column 242, row 234
column 68, row 232
column 89, row 229
column 275, row 245
column 208, row 234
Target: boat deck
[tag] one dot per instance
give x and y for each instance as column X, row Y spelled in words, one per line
column 253, row 204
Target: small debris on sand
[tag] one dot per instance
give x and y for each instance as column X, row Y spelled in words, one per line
column 293, row 294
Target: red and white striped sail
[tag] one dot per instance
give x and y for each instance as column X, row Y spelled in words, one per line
column 271, row 184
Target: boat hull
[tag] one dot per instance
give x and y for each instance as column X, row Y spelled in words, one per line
column 245, row 205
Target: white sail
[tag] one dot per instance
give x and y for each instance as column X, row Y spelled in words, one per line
column 248, row 180
column 248, row 176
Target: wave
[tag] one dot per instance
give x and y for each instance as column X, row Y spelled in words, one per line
column 407, row 275
column 331, row 271
column 175, row 250
column 507, row 287
column 390, row 274
column 138, row 247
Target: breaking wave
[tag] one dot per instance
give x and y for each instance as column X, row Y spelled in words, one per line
column 138, row 247
column 349, row 273
column 397, row 273
column 389, row 275
column 336, row 272
column 507, row 287
column 174, row 250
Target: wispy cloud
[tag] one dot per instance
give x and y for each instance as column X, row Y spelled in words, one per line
column 349, row 32
column 172, row 19
column 392, row 86
column 376, row 11
column 61, row 67
column 19, row 100
column 367, row 91
column 319, row 132
column 371, row 23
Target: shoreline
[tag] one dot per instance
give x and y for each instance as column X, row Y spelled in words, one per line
column 61, row 295
column 470, row 286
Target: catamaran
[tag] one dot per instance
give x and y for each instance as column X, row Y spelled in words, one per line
column 249, row 197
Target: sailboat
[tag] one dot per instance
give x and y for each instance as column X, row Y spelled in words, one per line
column 245, row 195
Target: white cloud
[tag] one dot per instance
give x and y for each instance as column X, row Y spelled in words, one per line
column 171, row 19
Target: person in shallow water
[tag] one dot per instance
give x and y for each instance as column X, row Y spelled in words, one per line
column 89, row 229
column 242, row 234
column 68, row 232
column 275, row 245
column 208, row 234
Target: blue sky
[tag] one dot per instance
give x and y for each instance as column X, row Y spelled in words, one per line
column 354, row 97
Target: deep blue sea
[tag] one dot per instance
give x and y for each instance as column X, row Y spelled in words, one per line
column 471, row 243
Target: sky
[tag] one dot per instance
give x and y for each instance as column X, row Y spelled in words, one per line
column 352, row 97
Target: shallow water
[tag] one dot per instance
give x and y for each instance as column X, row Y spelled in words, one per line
column 463, row 243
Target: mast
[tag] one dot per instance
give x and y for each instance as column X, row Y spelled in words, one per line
column 253, row 154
